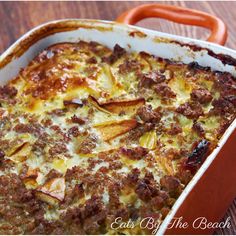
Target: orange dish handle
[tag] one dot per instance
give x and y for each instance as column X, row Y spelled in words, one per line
column 180, row 15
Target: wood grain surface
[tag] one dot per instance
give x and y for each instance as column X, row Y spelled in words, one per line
column 18, row 17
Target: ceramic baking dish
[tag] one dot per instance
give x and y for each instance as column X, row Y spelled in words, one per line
column 212, row 189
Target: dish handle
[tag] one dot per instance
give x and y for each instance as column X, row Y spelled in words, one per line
column 179, row 15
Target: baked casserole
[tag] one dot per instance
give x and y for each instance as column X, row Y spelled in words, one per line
column 90, row 136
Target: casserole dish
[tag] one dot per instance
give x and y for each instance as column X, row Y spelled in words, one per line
column 167, row 46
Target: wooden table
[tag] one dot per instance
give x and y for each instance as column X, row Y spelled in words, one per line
column 18, row 17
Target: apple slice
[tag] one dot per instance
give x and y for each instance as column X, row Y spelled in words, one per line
column 96, row 104
column 149, row 140
column 31, row 174
column 3, row 113
column 127, row 107
column 52, row 192
column 30, row 178
column 167, row 165
column 20, row 152
column 75, row 102
column 116, row 86
column 112, row 129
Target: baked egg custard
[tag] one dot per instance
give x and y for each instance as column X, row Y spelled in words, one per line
column 90, row 136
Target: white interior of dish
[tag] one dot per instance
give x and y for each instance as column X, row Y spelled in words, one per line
column 120, row 34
